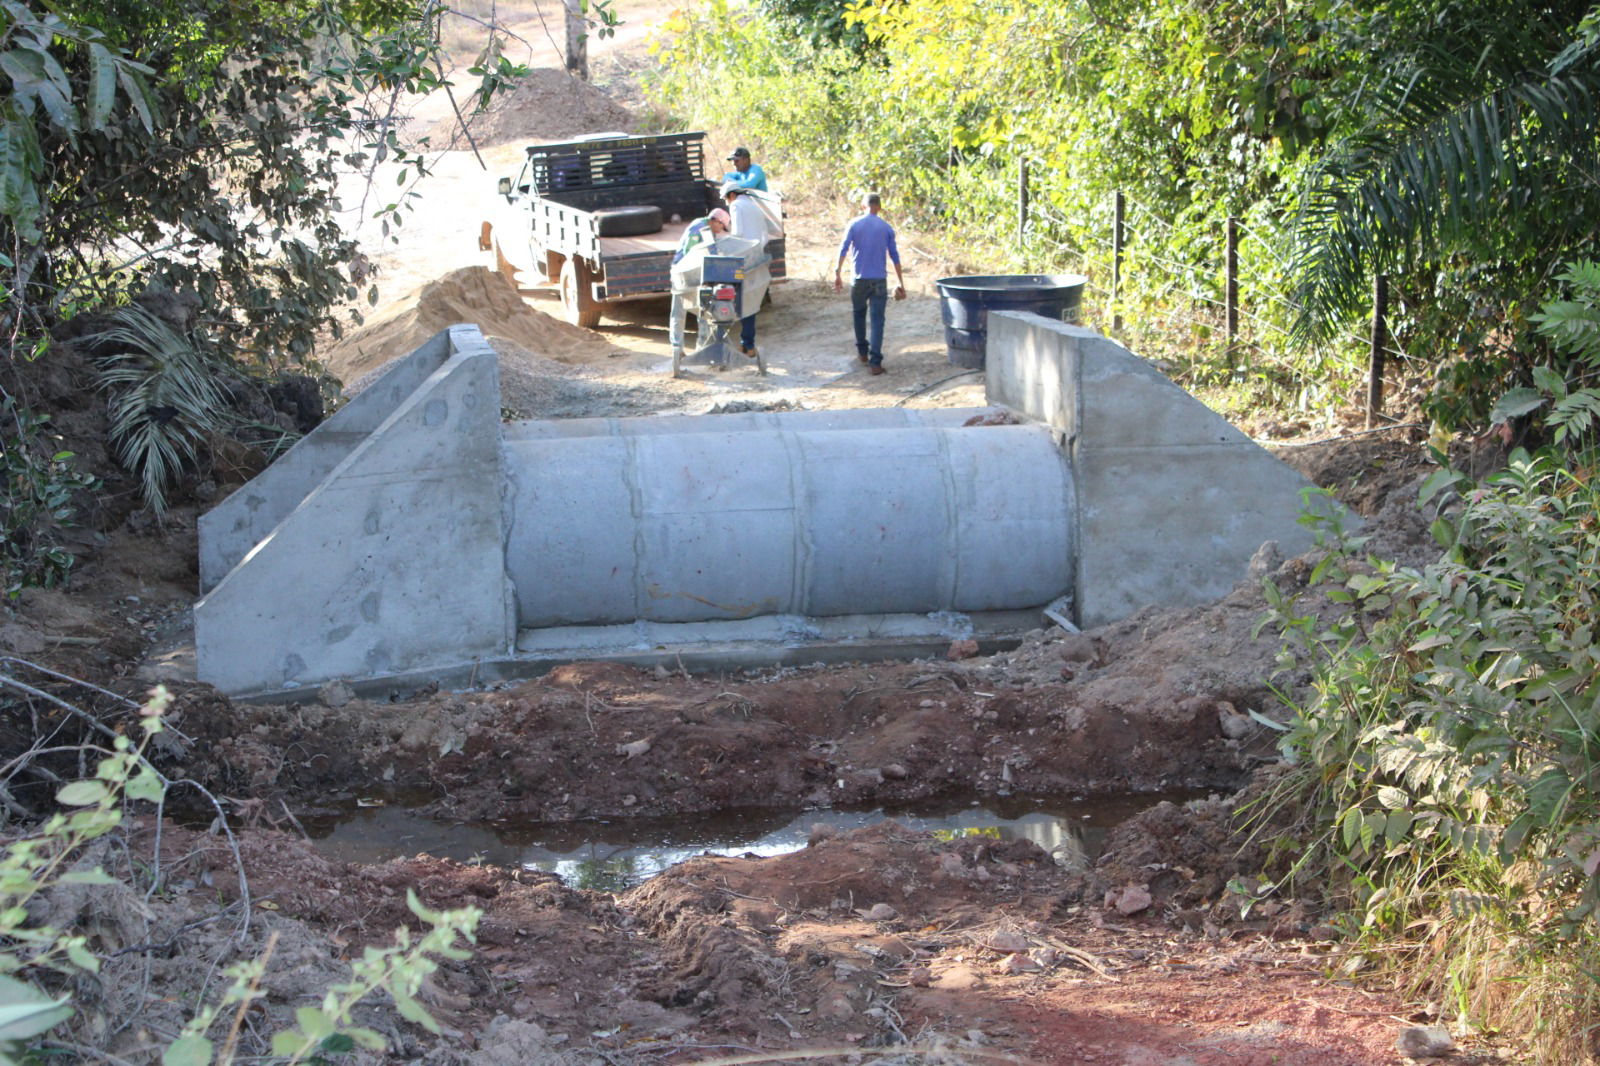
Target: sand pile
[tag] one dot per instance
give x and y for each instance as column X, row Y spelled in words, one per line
column 537, row 341
column 549, row 105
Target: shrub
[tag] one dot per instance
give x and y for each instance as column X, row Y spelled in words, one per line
column 36, row 501
column 1444, row 782
column 33, row 955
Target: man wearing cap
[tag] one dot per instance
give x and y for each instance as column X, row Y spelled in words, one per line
column 700, row 231
column 745, row 174
column 870, row 240
column 749, row 222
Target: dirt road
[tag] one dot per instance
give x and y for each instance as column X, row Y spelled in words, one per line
column 426, row 271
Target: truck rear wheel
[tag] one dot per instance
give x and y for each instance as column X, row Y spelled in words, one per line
column 503, row 266
column 577, row 294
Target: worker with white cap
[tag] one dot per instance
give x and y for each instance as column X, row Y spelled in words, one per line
column 700, row 231
column 750, row 223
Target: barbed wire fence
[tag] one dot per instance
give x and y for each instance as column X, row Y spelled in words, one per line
column 1221, row 314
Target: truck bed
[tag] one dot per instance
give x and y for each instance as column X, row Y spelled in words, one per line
column 664, row 241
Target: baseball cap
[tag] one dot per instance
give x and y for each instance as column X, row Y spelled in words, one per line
column 721, row 216
column 737, row 152
column 731, row 186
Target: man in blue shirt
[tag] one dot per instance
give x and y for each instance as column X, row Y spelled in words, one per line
column 746, row 174
column 871, row 242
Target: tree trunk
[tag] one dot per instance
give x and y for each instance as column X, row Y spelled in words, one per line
column 577, row 40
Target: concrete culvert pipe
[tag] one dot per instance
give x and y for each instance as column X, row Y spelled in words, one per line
column 697, row 526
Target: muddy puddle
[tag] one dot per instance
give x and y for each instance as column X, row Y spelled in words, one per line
column 614, row 855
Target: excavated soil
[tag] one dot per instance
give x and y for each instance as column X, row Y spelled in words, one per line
column 872, row 942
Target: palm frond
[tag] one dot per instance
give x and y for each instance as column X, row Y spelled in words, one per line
column 1433, row 176
column 167, row 395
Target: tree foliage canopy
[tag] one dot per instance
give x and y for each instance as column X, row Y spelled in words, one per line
column 195, row 146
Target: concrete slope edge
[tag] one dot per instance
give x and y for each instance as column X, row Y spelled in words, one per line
column 1172, row 500
column 236, row 525
column 399, row 544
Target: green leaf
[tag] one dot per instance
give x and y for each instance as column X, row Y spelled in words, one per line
column 413, row 1011
column 1350, row 827
column 367, row 1038
column 337, row 1044
column 192, row 1050
column 20, row 165
column 1549, row 380
column 81, row 957
column 102, row 85
column 37, row 76
column 288, row 1043
column 83, row 793
column 1439, row 479
column 1516, row 403
column 1397, row 827
column 1393, row 798
column 145, row 785
column 315, row 1023
column 138, row 96
column 26, row 1012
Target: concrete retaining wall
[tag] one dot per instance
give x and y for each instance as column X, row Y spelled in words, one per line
column 393, row 562
column 1172, row 500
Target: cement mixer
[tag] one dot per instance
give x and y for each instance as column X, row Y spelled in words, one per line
column 719, row 282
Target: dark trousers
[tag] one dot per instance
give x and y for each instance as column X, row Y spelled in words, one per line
column 747, row 331
column 868, row 298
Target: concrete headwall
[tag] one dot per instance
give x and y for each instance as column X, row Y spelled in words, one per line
column 411, row 535
column 393, row 561
column 241, row 521
column 1172, row 500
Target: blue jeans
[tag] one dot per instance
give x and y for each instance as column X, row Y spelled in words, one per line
column 869, row 294
column 747, row 331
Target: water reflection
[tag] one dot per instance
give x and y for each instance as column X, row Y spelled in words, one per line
column 610, row 856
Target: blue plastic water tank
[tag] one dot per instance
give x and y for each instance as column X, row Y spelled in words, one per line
column 965, row 302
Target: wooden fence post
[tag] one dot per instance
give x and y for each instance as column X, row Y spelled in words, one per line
column 1232, row 294
column 1118, row 216
column 1022, row 201
column 1380, row 341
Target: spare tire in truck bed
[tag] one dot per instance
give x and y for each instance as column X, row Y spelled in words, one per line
column 632, row 221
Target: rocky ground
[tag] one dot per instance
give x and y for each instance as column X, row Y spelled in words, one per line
column 881, row 941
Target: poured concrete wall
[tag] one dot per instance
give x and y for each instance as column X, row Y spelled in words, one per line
column 1172, row 500
column 391, row 563
column 239, row 522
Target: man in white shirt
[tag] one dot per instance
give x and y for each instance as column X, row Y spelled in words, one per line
column 749, row 222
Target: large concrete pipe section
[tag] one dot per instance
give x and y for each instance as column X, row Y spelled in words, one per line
column 702, row 525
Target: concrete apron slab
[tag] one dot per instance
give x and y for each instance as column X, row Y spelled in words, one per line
column 413, row 539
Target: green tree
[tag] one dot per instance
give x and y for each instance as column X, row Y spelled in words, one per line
column 192, row 148
column 1467, row 170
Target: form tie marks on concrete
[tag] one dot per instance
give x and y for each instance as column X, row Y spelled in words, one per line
column 413, row 537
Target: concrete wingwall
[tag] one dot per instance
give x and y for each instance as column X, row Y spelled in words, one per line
column 229, row 530
column 388, row 562
column 1171, row 500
